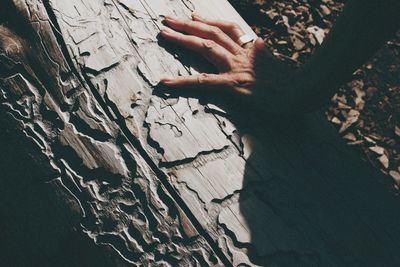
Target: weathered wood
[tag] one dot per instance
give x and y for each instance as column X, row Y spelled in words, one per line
column 112, row 195
column 162, row 179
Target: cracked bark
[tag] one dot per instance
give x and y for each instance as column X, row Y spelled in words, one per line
column 113, row 203
column 122, row 176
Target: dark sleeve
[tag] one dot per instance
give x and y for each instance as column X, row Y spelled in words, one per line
column 360, row 30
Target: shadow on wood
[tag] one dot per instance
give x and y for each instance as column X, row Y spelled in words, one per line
column 321, row 206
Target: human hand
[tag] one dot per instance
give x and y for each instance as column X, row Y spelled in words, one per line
column 248, row 73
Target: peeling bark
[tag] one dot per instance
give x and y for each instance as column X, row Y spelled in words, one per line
column 135, row 178
column 93, row 170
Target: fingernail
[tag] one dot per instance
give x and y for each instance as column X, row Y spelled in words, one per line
column 169, row 19
column 196, row 15
column 165, row 80
column 166, row 30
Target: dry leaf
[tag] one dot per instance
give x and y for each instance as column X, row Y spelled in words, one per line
column 272, row 14
column 351, row 118
column 397, row 130
column 317, row 32
column 342, row 99
column 384, row 160
column 260, row 2
column 343, row 106
column 350, row 137
column 377, row 149
column 335, row 120
column 369, row 140
column 325, row 10
column 298, row 44
column 356, row 142
column 375, row 136
column 396, row 176
column 358, row 88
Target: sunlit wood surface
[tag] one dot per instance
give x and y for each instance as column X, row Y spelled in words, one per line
column 111, row 170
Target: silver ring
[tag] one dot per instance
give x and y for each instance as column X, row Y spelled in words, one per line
column 245, row 39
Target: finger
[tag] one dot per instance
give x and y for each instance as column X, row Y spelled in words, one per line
column 260, row 50
column 205, row 31
column 212, row 51
column 203, row 79
column 232, row 29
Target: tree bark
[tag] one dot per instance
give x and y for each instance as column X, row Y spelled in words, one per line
column 101, row 169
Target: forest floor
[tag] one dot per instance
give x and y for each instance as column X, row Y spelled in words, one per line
column 365, row 111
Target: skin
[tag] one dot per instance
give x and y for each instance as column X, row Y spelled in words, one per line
column 244, row 72
column 251, row 74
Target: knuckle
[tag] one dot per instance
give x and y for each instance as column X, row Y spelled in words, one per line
column 209, row 44
column 239, row 51
column 202, row 78
column 230, row 81
column 179, row 39
column 233, row 26
column 215, row 32
column 186, row 24
column 244, row 79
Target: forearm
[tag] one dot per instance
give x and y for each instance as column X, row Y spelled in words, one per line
column 361, row 29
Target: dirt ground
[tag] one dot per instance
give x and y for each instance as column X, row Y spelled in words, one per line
column 366, row 111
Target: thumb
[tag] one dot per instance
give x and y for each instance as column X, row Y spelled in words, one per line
column 261, row 48
column 259, row 44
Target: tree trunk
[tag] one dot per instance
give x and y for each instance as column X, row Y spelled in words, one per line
column 101, row 169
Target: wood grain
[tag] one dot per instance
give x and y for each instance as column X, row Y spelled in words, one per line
column 163, row 179
column 109, row 192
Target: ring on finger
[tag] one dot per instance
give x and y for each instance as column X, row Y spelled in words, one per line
column 245, row 39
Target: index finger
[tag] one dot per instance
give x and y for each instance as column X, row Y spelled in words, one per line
column 232, row 29
column 202, row 79
column 205, row 31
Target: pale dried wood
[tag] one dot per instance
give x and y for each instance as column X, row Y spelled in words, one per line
column 108, row 190
column 205, row 166
column 115, row 46
column 266, row 196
